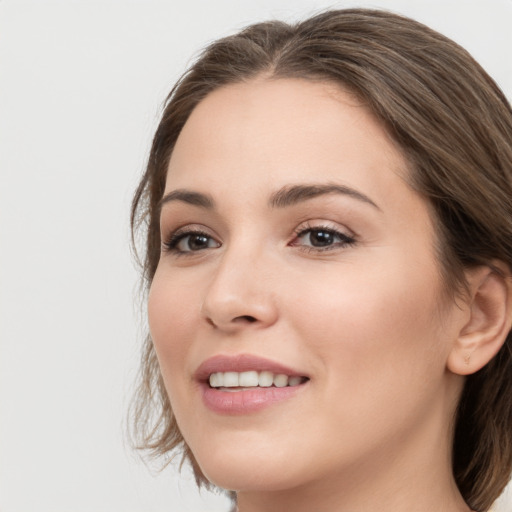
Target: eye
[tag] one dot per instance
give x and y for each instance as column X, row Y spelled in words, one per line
column 182, row 242
column 322, row 238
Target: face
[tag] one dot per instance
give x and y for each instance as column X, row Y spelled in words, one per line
column 293, row 246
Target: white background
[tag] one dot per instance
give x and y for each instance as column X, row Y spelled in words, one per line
column 81, row 84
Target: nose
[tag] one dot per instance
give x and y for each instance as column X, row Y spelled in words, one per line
column 241, row 293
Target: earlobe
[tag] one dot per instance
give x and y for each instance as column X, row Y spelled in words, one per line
column 490, row 319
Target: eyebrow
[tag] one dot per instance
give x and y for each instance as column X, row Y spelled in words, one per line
column 286, row 196
column 189, row 197
column 293, row 194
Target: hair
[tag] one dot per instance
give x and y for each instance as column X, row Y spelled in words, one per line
column 454, row 127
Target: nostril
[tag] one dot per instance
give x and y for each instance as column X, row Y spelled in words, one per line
column 237, row 320
column 245, row 318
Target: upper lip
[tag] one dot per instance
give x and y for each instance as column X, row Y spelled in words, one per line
column 242, row 363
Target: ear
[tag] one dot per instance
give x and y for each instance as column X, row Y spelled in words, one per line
column 489, row 307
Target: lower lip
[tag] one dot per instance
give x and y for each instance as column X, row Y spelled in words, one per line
column 244, row 402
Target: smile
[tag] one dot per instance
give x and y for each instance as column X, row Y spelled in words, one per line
column 243, row 383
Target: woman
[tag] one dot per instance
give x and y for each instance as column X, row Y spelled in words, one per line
column 329, row 241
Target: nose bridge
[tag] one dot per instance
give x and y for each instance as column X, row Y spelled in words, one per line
column 240, row 291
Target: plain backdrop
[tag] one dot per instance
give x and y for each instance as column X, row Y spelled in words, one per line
column 81, row 86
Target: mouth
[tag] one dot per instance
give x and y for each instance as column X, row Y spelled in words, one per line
column 243, row 383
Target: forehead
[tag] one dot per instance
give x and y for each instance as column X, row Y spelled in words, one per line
column 268, row 133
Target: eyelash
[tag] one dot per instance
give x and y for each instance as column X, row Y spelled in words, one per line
column 171, row 244
column 344, row 239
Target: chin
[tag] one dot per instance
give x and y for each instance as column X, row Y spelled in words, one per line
column 248, row 472
column 249, row 479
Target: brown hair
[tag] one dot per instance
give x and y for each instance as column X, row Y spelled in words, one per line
column 454, row 126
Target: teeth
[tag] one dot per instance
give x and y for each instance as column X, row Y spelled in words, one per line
column 215, row 380
column 252, row 379
column 265, row 379
column 231, row 380
column 280, row 381
column 294, row 381
column 247, row 379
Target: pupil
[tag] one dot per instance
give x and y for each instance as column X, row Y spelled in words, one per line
column 198, row 242
column 321, row 238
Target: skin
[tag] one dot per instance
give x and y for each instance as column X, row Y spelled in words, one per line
column 366, row 321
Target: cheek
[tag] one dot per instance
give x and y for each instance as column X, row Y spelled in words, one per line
column 374, row 327
column 378, row 355
column 172, row 317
